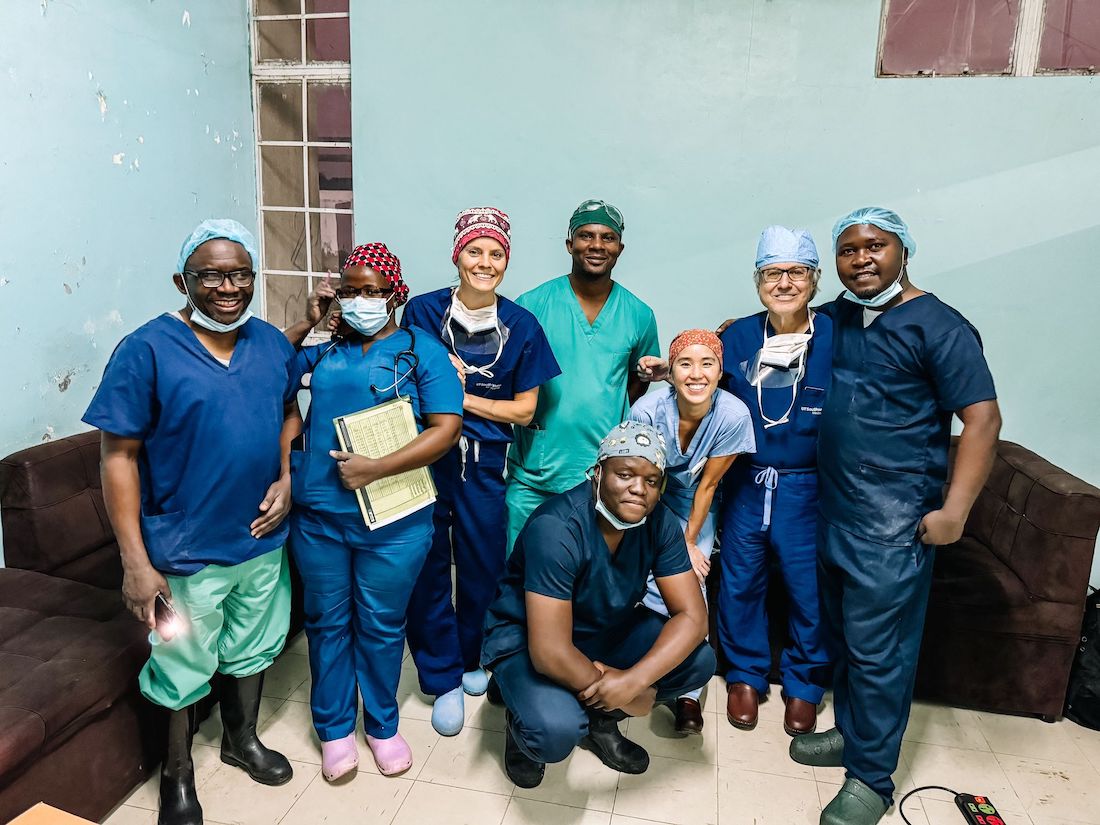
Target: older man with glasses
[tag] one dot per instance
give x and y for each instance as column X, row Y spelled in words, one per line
column 197, row 412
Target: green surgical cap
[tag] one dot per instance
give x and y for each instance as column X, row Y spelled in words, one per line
column 596, row 211
column 882, row 218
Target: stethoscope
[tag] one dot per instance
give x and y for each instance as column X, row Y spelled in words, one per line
column 409, row 354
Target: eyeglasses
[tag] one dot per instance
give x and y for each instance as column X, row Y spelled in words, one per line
column 366, row 292
column 212, row 278
column 774, row 274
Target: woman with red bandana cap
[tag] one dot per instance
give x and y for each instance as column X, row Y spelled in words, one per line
column 357, row 581
column 502, row 357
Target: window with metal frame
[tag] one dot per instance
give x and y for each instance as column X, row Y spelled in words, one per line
column 959, row 38
column 301, row 78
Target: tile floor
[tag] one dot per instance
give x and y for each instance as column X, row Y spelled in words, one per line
column 1036, row 773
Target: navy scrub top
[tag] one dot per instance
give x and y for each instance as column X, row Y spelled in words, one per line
column 341, row 383
column 561, row 553
column 882, row 454
column 790, row 446
column 209, row 433
column 526, row 361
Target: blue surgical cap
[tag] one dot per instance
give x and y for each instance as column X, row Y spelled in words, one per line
column 224, row 228
column 778, row 244
column 883, row 219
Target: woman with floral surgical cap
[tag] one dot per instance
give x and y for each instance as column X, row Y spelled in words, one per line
column 357, row 580
column 705, row 429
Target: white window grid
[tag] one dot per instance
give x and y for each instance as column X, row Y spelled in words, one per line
column 1025, row 47
column 300, row 73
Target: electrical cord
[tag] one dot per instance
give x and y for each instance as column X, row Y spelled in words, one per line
column 904, row 818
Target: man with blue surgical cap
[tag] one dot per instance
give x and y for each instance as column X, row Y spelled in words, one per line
column 198, row 411
column 904, row 363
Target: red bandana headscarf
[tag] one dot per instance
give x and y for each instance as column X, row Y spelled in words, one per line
column 694, row 336
column 378, row 257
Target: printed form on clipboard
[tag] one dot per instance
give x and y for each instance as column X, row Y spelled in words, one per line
column 376, row 432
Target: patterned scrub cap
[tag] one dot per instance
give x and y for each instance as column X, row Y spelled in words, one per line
column 378, row 257
column 633, row 438
column 481, row 222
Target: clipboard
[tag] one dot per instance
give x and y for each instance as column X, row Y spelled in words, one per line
column 376, row 432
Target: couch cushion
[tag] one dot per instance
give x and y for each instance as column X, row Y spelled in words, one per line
column 53, row 513
column 68, row 651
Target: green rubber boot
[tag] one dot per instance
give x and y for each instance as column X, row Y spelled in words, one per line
column 822, row 750
column 856, row 804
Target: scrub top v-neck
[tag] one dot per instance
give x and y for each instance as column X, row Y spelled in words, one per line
column 578, row 408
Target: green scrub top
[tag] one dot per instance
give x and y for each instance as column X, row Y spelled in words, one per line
column 580, row 406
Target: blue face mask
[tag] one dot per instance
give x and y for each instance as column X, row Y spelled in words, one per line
column 365, row 315
column 883, row 298
column 206, row 322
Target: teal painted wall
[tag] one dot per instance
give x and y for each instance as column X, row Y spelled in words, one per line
column 707, row 120
column 124, row 125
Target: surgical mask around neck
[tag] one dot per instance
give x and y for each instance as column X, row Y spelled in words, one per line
column 206, row 322
column 473, row 320
column 883, row 298
column 612, row 519
column 365, row 315
column 781, row 362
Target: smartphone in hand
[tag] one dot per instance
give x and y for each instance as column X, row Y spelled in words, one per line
column 169, row 622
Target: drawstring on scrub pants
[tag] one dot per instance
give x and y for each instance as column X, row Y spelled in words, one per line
column 463, row 447
column 769, row 477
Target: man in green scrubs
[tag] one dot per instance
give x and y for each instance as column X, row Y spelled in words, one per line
column 598, row 330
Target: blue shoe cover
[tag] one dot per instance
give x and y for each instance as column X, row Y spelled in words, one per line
column 448, row 713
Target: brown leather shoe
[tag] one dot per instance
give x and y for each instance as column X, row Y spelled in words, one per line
column 742, row 705
column 689, row 716
column 799, row 717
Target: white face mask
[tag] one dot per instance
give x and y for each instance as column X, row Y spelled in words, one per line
column 206, row 322
column 883, row 298
column 365, row 315
column 612, row 519
column 473, row 320
column 786, row 353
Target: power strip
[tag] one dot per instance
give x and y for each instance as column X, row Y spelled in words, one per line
column 978, row 810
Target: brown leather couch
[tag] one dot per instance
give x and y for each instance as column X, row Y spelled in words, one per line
column 1004, row 616
column 74, row 730
column 1007, row 602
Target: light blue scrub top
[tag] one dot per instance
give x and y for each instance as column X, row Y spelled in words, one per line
column 341, row 383
column 725, row 430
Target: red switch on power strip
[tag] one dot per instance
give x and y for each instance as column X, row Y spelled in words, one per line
column 978, row 810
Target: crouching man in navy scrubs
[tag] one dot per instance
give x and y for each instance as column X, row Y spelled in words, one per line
column 904, row 363
column 197, row 413
column 571, row 648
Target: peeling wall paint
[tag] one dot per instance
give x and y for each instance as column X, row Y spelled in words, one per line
column 126, row 177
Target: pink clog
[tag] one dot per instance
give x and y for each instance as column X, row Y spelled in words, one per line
column 338, row 757
column 392, row 756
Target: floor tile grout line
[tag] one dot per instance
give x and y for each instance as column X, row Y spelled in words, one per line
column 298, row 798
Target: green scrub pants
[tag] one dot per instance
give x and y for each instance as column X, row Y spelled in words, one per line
column 237, row 619
column 521, row 501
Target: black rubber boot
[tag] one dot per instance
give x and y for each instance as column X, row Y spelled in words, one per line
column 607, row 742
column 179, row 803
column 521, row 769
column 240, row 704
column 492, row 693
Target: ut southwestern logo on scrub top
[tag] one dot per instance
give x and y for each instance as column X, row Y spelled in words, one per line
column 811, row 410
column 486, row 385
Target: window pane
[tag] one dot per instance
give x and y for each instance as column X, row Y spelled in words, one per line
column 286, row 299
column 329, row 112
column 951, row 37
column 280, row 111
column 328, row 39
column 278, row 6
column 330, row 178
column 285, row 241
column 1071, row 35
column 281, row 181
column 326, row 6
column 279, row 40
column 332, row 240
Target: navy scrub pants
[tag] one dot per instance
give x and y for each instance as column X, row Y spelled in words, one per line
column 874, row 598
column 470, row 517
column 357, row 585
column 746, row 546
column 548, row 722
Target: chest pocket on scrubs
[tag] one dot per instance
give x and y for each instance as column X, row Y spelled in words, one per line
column 809, row 404
column 892, row 502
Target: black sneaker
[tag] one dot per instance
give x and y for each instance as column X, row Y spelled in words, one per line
column 492, row 693
column 614, row 750
column 521, row 769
